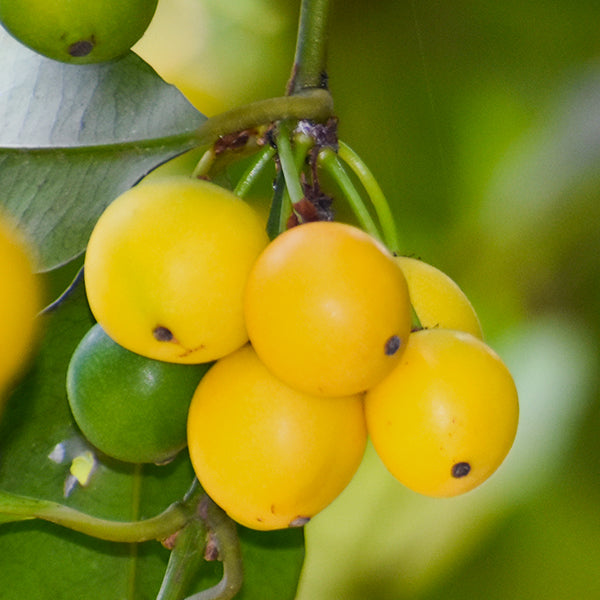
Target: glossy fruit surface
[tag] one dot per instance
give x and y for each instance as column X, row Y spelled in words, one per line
column 130, row 407
column 445, row 418
column 78, row 31
column 437, row 299
column 20, row 302
column 270, row 456
column 327, row 309
column 166, row 267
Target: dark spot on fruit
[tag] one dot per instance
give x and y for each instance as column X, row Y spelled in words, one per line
column 162, row 334
column 460, row 469
column 392, row 345
column 81, row 48
column 299, row 522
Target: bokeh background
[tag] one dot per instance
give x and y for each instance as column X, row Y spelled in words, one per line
column 481, row 120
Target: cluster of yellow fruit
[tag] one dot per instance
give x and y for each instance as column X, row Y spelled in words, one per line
column 313, row 350
column 19, row 303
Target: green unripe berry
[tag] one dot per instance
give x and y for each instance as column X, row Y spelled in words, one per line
column 78, row 31
column 130, row 407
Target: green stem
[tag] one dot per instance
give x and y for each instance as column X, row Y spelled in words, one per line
column 256, row 168
column 315, row 105
column 224, row 533
column 288, row 164
column 330, row 161
column 280, row 210
column 310, row 60
column 302, row 144
column 186, row 558
column 376, row 195
column 286, row 208
column 204, row 165
column 14, row 507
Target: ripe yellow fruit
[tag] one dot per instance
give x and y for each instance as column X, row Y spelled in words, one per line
column 270, row 456
column 166, row 267
column 20, row 302
column 327, row 309
column 445, row 418
column 78, row 31
column 437, row 299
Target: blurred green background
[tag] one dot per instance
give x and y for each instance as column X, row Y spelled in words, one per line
column 481, row 121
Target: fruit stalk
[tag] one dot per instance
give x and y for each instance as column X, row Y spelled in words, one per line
column 329, row 160
column 224, row 545
column 263, row 159
column 186, row 557
column 375, row 193
column 288, row 164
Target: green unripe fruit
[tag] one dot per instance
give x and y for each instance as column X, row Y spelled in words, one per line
column 130, row 407
column 78, row 31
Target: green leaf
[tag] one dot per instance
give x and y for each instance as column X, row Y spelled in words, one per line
column 41, row 561
column 272, row 563
column 73, row 137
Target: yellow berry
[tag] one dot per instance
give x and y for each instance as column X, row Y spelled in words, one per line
column 437, row 299
column 19, row 303
column 327, row 309
column 270, row 456
column 166, row 267
column 445, row 418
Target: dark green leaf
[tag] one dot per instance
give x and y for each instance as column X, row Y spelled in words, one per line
column 74, row 137
column 272, row 563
